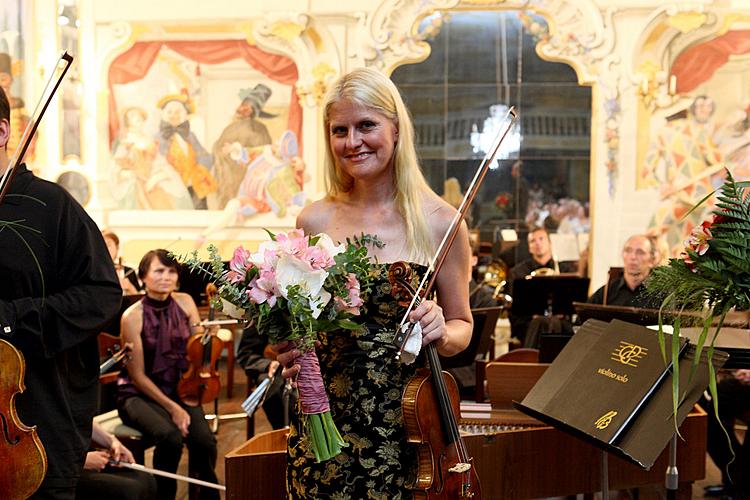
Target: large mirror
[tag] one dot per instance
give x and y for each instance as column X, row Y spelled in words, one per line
column 480, row 64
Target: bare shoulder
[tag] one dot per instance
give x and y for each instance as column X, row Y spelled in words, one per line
column 314, row 217
column 438, row 212
column 133, row 315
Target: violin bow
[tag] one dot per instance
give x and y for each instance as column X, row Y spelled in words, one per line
column 428, row 280
column 158, row 472
column 53, row 83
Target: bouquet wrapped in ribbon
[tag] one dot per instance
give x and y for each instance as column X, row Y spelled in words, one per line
column 293, row 287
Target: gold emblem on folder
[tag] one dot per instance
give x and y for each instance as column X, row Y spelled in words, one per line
column 628, row 354
column 606, row 419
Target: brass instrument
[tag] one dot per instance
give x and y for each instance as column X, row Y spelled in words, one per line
column 496, row 276
column 542, row 271
column 546, row 271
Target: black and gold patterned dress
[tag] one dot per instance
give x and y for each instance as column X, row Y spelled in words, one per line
column 365, row 383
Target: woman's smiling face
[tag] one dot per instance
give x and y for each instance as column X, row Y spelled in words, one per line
column 362, row 139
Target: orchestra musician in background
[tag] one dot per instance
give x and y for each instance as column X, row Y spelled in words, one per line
column 58, row 289
column 541, row 262
column 540, row 248
column 159, row 326
column 638, row 257
column 100, row 479
column 127, row 275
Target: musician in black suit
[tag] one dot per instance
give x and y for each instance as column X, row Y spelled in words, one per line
column 639, row 257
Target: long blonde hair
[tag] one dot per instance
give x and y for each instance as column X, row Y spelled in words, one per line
column 372, row 89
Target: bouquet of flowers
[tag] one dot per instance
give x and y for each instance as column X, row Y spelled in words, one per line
column 711, row 275
column 293, row 287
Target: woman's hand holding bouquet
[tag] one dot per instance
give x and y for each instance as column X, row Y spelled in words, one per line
column 292, row 288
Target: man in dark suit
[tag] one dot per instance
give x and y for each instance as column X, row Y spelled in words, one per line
column 639, row 257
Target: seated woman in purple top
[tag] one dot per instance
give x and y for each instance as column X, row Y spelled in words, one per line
column 159, row 326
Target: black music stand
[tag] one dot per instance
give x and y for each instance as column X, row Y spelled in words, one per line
column 635, row 315
column 547, row 295
column 585, row 384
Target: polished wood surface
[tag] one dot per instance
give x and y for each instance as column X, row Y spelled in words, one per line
column 528, row 463
column 232, row 435
column 257, row 468
column 22, row 455
column 544, row 462
column 508, row 382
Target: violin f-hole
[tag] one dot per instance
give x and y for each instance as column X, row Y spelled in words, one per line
column 6, row 432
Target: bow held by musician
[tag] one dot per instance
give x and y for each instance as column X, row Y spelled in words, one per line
column 375, row 185
column 58, row 289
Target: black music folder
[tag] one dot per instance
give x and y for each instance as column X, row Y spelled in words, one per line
column 611, row 387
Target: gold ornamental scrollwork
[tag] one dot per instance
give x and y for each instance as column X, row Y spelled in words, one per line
column 323, row 75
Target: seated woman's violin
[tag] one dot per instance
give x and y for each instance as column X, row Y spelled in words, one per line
column 201, row 383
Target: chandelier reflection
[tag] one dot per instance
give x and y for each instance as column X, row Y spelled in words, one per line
column 481, row 142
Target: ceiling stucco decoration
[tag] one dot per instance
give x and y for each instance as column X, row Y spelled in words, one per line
column 579, row 34
column 390, row 36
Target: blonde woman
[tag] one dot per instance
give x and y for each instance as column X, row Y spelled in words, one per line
column 375, row 186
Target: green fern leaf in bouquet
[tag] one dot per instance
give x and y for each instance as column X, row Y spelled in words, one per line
column 712, row 276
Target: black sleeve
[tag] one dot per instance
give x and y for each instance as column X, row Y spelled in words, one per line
column 250, row 353
column 87, row 293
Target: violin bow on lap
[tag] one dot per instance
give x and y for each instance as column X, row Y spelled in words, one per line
column 431, row 399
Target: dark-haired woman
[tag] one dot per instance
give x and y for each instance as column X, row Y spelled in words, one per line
column 159, row 326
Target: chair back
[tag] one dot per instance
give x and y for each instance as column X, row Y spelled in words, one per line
column 508, row 382
column 521, row 355
column 614, row 274
column 485, row 319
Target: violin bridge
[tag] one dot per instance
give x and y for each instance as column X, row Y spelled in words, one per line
column 460, row 467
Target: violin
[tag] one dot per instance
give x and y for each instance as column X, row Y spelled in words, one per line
column 430, row 404
column 201, row 383
column 21, row 451
column 121, row 355
column 431, row 398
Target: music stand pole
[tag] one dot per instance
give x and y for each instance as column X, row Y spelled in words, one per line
column 672, row 476
column 605, row 476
